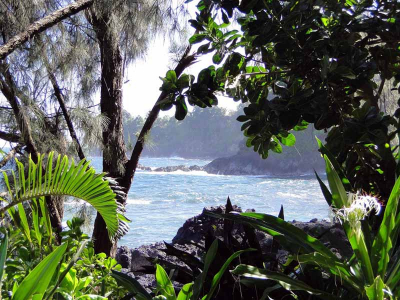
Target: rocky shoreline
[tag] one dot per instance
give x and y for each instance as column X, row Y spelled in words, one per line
column 192, row 237
column 248, row 164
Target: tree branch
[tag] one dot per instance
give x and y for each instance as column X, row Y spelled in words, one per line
column 43, row 24
column 10, row 155
column 131, row 165
column 8, row 90
column 10, row 137
column 60, row 98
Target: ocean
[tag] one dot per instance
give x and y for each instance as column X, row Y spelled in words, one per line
column 159, row 203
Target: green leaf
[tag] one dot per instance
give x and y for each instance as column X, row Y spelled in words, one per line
column 197, row 38
column 91, row 297
column 46, row 217
column 36, row 222
column 218, row 276
column 289, row 141
column 339, row 196
column 382, row 244
column 183, row 81
column 164, row 284
column 375, row 291
column 290, row 284
column 181, row 108
column 186, row 292
column 217, row 58
column 24, row 225
column 275, row 145
column 132, row 285
column 325, row 191
column 338, row 168
column 198, row 283
column 68, row 276
column 355, row 236
column 279, row 226
column 79, row 181
column 171, row 76
column 336, row 268
column 39, row 278
column 3, row 256
column 345, row 72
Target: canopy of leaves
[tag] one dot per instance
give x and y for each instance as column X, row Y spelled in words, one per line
column 301, row 62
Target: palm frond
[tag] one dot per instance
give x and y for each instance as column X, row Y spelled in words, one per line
column 64, row 177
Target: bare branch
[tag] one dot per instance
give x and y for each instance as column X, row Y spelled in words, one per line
column 10, row 155
column 60, row 98
column 10, row 137
column 43, row 24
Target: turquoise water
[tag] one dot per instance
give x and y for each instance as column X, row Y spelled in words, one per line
column 159, row 203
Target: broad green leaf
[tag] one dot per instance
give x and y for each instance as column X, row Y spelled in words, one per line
column 197, row 38
column 289, row 141
column 186, row 292
column 325, row 191
column 355, row 236
column 91, row 297
column 218, row 276
column 334, row 267
column 198, row 283
column 68, row 276
column 336, row 166
column 339, row 196
column 181, row 108
column 291, row 232
column 171, row 76
column 39, row 278
column 383, row 241
column 132, row 285
column 164, row 284
column 375, row 291
column 290, row 284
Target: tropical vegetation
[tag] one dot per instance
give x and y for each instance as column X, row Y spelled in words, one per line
column 330, row 64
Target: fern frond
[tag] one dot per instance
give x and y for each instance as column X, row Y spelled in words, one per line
column 68, row 179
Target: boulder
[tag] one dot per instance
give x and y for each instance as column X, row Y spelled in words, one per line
column 190, row 239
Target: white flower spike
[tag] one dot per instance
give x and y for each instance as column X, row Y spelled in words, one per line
column 361, row 207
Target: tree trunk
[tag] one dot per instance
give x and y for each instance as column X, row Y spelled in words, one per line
column 43, row 24
column 114, row 157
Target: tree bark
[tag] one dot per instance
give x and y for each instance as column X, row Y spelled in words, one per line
column 43, row 24
column 114, row 157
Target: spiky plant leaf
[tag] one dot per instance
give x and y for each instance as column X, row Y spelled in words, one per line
column 68, row 179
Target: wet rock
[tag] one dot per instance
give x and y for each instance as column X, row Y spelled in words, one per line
column 123, row 256
column 143, row 168
column 178, row 168
column 191, row 237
